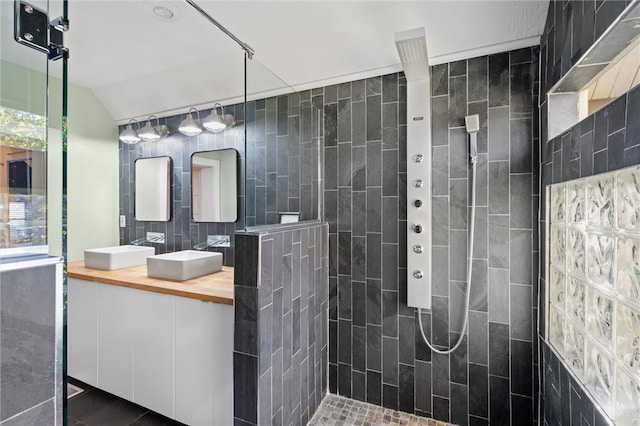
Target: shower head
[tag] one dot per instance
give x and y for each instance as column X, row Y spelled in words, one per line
column 472, row 122
column 412, row 49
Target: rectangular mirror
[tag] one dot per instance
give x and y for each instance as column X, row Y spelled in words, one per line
column 153, row 189
column 214, row 186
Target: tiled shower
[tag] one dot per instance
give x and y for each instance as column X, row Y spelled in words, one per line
column 376, row 353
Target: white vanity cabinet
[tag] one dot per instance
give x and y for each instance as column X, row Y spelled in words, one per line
column 153, row 360
column 197, row 400
column 82, row 330
column 171, row 354
column 115, row 340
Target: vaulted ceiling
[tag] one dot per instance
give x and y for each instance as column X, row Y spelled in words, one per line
column 139, row 64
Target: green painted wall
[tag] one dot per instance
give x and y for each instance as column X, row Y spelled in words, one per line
column 92, row 157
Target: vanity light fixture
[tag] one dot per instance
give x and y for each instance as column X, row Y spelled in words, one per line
column 151, row 133
column 148, row 133
column 229, row 120
column 129, row 135
column 189, row 126
column 214, row 122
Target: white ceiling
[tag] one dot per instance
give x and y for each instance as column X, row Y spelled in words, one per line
column 138, row 65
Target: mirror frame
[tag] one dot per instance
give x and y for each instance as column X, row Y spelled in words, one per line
column 167, row 214
column 237, row 177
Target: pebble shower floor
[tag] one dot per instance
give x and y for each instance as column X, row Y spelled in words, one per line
column 338, row 410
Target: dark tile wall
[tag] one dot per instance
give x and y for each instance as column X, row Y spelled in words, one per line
column 605, row 141
column 564, row 400
column 281, row 317
column 283, row 157
column 376, row 353
column 283, row 178
column 28, row 346
column 571, row 28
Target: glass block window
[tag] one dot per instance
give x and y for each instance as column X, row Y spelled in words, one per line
column 593, row 279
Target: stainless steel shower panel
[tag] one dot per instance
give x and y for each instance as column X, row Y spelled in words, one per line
column 419, row 194
column 412, row 50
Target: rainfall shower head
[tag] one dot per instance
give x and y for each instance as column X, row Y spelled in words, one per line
column 412, row 49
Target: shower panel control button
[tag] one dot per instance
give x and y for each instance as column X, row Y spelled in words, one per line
column 417, row 248
column 417, row 228
column 417, row 274
column 418, row 158
column 418, row 183
column 417, row 203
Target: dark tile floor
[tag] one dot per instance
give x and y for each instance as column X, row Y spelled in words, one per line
column 95, row 407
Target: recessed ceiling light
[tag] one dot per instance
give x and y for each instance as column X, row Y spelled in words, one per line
column 162, row 12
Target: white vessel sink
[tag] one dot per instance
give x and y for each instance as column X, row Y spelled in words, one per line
column 184, row 265
column 117, row 257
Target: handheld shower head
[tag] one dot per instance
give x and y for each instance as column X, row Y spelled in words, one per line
column 472, row 122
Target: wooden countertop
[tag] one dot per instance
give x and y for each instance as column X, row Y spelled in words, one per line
column 216, row 287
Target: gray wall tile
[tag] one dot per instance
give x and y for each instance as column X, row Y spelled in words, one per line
column 499, row 79
column 478, row 339
column 520, row 248
column 499, row 349
column 521, row 320
column 478, row 83
column 520, row 201
column 27, row 349
column 498, row 136
column 440, row 121
column 499, row 295
column 498, row 187
column 458, row 153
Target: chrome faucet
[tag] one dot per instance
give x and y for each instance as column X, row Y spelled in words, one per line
column 152, row 237
column 214, row 241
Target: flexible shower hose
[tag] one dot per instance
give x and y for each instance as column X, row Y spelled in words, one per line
column 469, row 270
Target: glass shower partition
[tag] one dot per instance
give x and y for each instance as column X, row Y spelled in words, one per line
column 32, row 135
column 283, row 145
column 282, row 268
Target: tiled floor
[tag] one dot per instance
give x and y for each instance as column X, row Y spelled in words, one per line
column 337, row 410
column 94, row 407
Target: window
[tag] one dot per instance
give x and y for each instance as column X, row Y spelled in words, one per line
column 593, row 286
column 23, row 201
